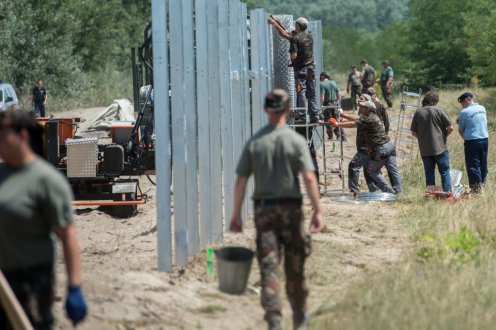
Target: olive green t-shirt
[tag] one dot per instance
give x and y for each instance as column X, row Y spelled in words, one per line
column 368, row 75
column 430, row 123
column 275, row 156
column 34, row 199
column 329, row 89
column 388, row 72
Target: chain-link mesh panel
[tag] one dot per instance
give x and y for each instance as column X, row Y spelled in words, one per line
column 283, row 75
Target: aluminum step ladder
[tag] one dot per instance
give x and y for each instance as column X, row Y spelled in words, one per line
column 403, row 139
column 333, row 159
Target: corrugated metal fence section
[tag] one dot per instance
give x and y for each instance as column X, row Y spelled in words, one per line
column 213, row 65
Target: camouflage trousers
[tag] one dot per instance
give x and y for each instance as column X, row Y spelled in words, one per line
column 280, row 229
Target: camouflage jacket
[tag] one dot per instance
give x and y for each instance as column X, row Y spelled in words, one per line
column 302, row 45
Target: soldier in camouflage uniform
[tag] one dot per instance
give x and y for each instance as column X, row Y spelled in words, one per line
column 381, row 152
column 368, row 76
column 330, row 98
column 276, row 155
column 301, row 53
column 387, row 83
column 381, row 111
column 354, row 85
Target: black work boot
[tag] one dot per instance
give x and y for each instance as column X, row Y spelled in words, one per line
column 300, row 320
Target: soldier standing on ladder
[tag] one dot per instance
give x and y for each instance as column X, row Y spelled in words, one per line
column 301, row 54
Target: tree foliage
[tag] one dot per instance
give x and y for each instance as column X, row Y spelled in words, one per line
column 365, row 15
column 76, row 47
column 480, row 27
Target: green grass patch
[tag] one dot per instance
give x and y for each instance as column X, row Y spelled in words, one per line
column 448, row 280
column 211, row 309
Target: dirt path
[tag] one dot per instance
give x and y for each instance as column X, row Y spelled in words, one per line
column 125, row 290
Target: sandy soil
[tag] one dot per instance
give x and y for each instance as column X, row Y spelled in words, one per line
column 124, row 290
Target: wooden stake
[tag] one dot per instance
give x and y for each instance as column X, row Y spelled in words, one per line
column 11, row 306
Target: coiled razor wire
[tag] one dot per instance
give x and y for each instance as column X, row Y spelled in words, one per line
column 363, row 197
column 283, row 75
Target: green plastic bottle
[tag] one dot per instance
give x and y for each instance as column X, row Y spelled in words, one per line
column 210, row 261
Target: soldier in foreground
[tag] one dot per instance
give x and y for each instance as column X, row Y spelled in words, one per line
column 276, row 155
column 35, row 205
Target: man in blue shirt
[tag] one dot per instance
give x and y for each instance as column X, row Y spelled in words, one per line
column 472, row 126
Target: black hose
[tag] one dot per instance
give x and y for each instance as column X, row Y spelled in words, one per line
column 151, row 181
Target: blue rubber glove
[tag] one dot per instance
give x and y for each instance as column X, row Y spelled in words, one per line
column 75, row 305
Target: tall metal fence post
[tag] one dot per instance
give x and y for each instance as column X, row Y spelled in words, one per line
column 213, row 61
column 202, row 101
column 245, row 81
column 179, row 164
column 226, row 118
column 190, row 111
column 162, row 155
column 316, row 28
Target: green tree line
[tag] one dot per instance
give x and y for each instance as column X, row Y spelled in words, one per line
column 80, row 49
column 448, row 43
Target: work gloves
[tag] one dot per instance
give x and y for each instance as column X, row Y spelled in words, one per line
column 75, row 305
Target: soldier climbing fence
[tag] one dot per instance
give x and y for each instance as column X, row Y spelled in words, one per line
column 213, row 65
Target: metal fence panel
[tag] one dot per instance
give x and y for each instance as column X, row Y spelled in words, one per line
column 226, row 113
column 214, row 120
column 162, row 151
column 178, row 134
column 202, row 100
column 235, row 42
column 256, row 95
column 264, row 60
column 316, row 28
column 245, row 82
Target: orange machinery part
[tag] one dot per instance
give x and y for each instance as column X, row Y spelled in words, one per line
column 107, row 203
column 67, row 127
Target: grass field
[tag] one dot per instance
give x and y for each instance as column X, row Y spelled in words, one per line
column 448, row 279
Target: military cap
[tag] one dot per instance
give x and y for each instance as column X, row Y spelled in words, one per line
column 277, row 100
column 365, row 97
column 464, row 96
column 369, row 104
column 371, row 91
column 302, row 21
column 386, row 62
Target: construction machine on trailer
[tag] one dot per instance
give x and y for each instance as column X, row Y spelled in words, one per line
column 102, row 172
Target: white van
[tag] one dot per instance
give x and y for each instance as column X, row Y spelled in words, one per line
column 8, row 97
